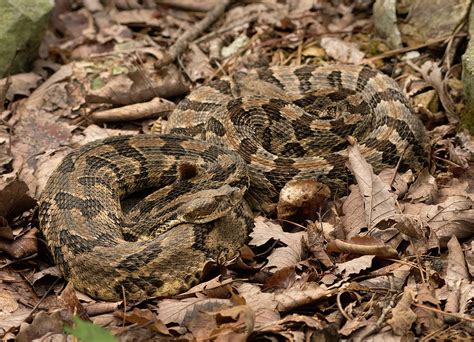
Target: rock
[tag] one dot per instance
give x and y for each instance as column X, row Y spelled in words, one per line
column 22, row 24
column 467, row 117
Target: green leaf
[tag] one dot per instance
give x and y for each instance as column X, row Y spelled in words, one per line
column 88, row 332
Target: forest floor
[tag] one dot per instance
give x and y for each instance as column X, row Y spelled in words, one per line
column 121, row 67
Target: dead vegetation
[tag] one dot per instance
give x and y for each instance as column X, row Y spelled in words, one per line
column 391, row 260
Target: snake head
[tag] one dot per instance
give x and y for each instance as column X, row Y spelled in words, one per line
column 208, row 205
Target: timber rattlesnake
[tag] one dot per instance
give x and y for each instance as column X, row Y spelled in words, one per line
column 283, row 122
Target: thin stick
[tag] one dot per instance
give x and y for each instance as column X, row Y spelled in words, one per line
column 453, row 314
column 192, row 33
column 407, row 49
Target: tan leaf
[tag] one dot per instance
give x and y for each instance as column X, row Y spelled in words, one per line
column 239, row 313
column 394, row 280
column 43, row 324
column 316, row 241
column 424, row 189
column 262, row 303
column 281, row 257
column 144, row 317
column 355, row 266
column 9, row 303
column 456, row 269
column 21, row 84
column 300, row 295
column 379, row 203
column 431, row 73
column 399, row 183
column 341, row 50
column 454, row 216
column 182, row 311
column 402, row 316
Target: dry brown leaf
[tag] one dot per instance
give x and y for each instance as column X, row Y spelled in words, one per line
column 350, row 326
column 210, row 285
column 457, row 186
column 355, row 266
column 395, row 281
column 20, row 84
column 424, row 189
column 25, row 245
column 281, row 279
column 342, row 51
column 197, row 66
column 379, row 203
column 182, row 311
column 69, row 300
column 145, row 318
column 43, row 324
column 316, row 241
column 425, row 294
column 399, row 183
column 240, row 313
column 14, row 199
column 281, row 257
column 431, row 73
column 300, row 295
column 9, row 303
column 456, row 269
column 402, row 315
column 12, row 320
column 411, row 226
column 454, row 216
column 35, row 133
column 262, row 303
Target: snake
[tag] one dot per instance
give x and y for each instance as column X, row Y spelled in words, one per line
column 228, row 149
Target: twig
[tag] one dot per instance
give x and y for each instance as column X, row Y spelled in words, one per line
column 339, row 305
column 188, row 5
column 222, row 30
column 412, row 48
column 145, row 110
column 453, row 314
column 192, row 33
column 42, row 299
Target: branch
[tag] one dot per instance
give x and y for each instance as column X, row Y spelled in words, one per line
column 192, row 33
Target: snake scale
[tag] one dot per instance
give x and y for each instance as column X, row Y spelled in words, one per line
column 229, row 148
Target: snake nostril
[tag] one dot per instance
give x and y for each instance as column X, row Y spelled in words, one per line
column 187, row 171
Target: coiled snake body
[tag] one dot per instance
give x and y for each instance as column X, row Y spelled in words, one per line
column 231, row 146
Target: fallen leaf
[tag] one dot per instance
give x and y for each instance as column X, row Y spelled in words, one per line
column 402, row 316
column 145, row 318
column 20, row 84
column 300, row 295
column 456, row 269
column 453, row 216
column 23, row 246
column 43, row 324
column 355, row 266
column 182, row 311
column 262, row 303
column 9, row 303
column 281, row 257
column 379, row 204
column 342, row 51
column 424, row 189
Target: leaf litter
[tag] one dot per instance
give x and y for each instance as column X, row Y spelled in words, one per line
column 391, row 260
